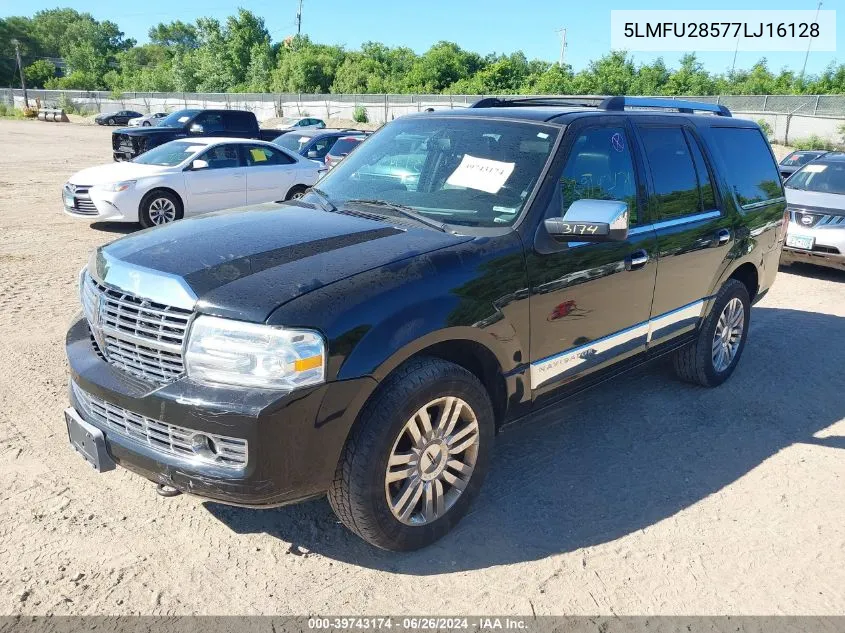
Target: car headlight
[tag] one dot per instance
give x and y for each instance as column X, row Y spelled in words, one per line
column 227, row 352
column 116, row 186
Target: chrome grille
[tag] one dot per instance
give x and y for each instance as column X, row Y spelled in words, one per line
column 817, row 219
column 141, row 337
column 159, row 436
column 82, row 203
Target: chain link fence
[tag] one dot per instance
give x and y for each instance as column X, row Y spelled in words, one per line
column 790, row 116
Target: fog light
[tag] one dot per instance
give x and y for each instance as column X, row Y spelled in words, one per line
column 203, row 446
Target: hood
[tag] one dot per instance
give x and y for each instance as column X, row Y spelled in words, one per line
column 243, row 264
column 115, row 172
column 815, row 199
column 150, row 131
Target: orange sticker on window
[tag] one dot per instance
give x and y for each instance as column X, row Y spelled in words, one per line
column 258, row 155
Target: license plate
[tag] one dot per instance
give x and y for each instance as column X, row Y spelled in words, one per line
column 800, row 241
column 88, row 441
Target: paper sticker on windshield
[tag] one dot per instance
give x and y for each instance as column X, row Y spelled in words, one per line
column 815, row 169
column 617, row 141
column 481, row 174
column 194, row 148
column 258, row 155
column 182, row 119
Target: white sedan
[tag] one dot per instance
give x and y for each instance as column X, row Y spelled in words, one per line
column 188, row 177
column 147, row 120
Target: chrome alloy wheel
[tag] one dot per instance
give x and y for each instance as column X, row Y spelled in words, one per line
column 728, row 334
column 432, row 461
column 162, row 211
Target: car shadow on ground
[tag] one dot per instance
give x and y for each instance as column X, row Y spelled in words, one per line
column 616, row 459
column 123, row 228
column 822, row 273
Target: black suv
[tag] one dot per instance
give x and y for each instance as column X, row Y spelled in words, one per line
column 368, row 340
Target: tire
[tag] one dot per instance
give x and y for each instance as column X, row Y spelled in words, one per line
column 296, row 192
column 699, row 362
column 110, row 122
column 359, row 493
column 146, row 124
column 155, row 210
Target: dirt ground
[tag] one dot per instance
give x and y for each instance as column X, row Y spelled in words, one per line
column 645, row 496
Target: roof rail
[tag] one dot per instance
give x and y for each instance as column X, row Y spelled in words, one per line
column 499, row 102
column 681, row 105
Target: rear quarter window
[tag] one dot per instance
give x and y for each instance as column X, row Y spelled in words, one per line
column 750, row 168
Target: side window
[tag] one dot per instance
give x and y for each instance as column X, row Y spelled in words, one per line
column 211, row 122
column 323, row 146
column 672, row 171
column 261, row 156
column 222, row 157
column 600, row 167
column 237, row 121
column 748, row 163
column 705, row 178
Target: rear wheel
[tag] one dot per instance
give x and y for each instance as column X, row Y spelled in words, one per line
column 296, row 192
column 159, row 207
column 146, row 124
column 712, row 357
column 417, row 456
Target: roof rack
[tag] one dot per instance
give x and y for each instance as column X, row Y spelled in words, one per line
column 681, row 105
column 613, row 104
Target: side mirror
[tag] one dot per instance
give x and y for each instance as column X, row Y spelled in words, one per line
column 199, row 164
column 591, row 221
column 312, row 154
column 196, row 128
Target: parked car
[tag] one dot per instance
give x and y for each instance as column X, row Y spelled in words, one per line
column 313, row 144
column 368, row 340
column 815, row 195
column 188, row 177
column 342, row 147
column 121, row 117
column 147, row 120
column 300, row 123
column 793, row 161
column 127, row 143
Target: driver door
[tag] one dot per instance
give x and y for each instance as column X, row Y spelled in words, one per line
column 591, row 301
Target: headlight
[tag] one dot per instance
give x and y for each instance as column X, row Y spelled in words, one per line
column 116, row 186
column 222, row 351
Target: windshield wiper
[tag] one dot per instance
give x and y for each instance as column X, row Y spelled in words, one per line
column 402, row 210
column 324, row 199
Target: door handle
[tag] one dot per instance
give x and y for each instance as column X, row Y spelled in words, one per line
column 722, row 237
column 237, row 175
column 635, row 260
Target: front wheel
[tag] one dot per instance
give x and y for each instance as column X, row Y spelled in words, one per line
column 296, row 192
column 146, row 124
column 712, row 357
column 417, row 456
column 110, row 122
column 159, row 207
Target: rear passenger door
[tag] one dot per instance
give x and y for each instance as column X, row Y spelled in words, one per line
column 590, row 302
column 269, row 174
column 693, row 235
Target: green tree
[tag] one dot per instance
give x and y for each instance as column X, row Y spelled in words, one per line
column 690, row 79
column 175, row 34
column 39, row 72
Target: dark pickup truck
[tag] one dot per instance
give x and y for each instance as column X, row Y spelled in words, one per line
column 127, row 143
column 369, row 339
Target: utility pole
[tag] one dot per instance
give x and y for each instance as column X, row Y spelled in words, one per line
column 299, row 19
column 23, row 74
column 810, row 42
column 736, row 50
column 562, row 34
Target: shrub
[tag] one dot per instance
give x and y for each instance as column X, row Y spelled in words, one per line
column 766, row 127
column 65, row 103
column 812, row 142
column 359, row 115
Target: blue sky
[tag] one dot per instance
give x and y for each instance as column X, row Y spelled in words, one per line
column 501, row 26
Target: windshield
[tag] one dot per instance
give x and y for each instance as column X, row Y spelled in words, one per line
column 795, row 159
column 178, row 118
column 819, row 176
column 293, row 141
column 287, row 122
column 472, row 172
column 344, row 146
column 170, row 154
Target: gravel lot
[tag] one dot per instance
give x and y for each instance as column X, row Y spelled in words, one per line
column 645, row 496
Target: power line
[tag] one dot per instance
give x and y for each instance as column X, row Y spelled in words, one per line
column 810, row 41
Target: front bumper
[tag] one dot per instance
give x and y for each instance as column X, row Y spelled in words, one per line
column 828, row 247
column 294, row 440
column 104, row 206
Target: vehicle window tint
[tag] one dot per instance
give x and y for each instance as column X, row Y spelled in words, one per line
column 821, row 175
column 344, row 146
column 705, row 178
column 222, row 157
column 211, row 122
column 749, row 165
column 600, row 167
column 672, row 171
column 262, row 156
column 238, row 121
column 322, row 146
